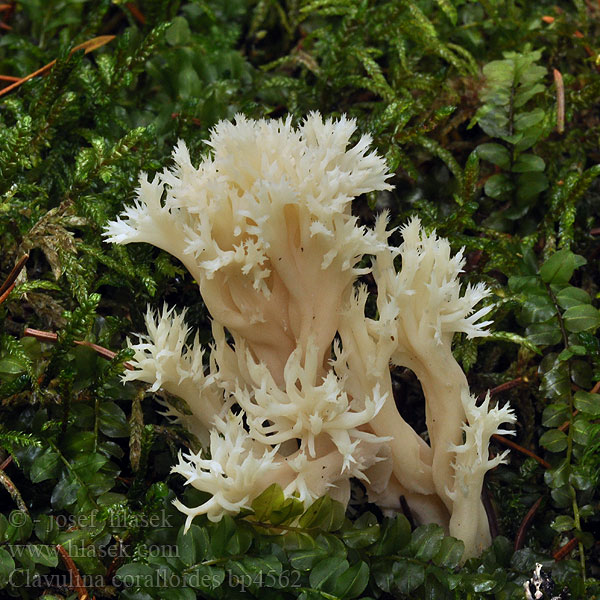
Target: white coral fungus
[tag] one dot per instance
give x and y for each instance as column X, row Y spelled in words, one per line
column 303, row 396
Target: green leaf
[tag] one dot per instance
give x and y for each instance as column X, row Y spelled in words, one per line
column 46, row 529
column 325, row 514
column 205, row 577
column 408, row 576
column 45, row 467
column 88, row 464
column 479, row 583
column 353, row 582
column 581, row 478
column 498, row 186
column 555, row 414
column 527, row 284
column 526, row 92
column 496, row 154
column 306, row 558
column 587, row 403
column 19, row 527
column 43, row 555
column 426, row 541
column 65, row 491
column 177, row 593
column 554, row 440
column 325, row 572
column 450, row 553
column 332, row 545
column 528, row 139
column 583, row 430
column 528, row 162
column 193, row 545
column 395, row 536
column 113, row 421
column 563, row 523
column 538, row 308
column 572, row 296
column 525, row 120
column 11, row 366
column 530, row 184
column 269, row 500
column 241, row 539
column 361, row 538
column 558, row 476
column 544, row 334
column 179, row 32
column 581, row 318
column 571, row 351
column 76, row 442
column 287, row 512
column 559, row 268
column 7, row 565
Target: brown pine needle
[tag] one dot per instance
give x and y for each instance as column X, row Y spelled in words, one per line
column 520, row 539
column 88, row 46
column 506, row 442
column 12, row 276
column 48, row 336
column 76, row 581
column 5, row 295
column 136, row 12
column 503, row 387
column 564, row 550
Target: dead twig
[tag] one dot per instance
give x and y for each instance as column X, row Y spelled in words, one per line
column 11, row 488
column 560, row 101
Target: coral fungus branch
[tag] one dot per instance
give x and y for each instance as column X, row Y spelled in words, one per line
column 302, row 395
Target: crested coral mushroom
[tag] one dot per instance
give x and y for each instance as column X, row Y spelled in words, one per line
column 264, row 225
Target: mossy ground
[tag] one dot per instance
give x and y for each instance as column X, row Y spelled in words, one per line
column 487, row 113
